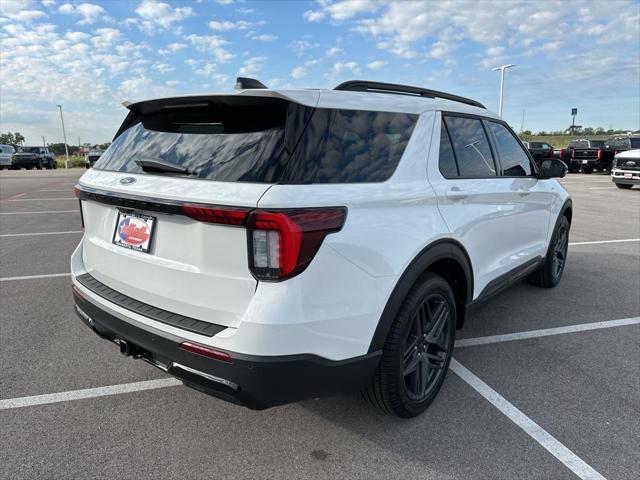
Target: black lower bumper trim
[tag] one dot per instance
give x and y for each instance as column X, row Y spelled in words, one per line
column 257, row 382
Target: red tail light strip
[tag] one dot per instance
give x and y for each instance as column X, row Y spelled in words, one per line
column 205, row 351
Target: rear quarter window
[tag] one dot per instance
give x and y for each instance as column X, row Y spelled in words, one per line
column 350, row 146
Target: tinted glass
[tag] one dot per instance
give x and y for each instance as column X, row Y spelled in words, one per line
column 447, row 161
column 635, row 142
column 596, row 143
column 349, row 146
column 580, row 144
column 471, row 147
column 536, row 145
column 515, row 162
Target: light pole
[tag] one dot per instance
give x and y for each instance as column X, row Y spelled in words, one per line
column 502, row 68
column 64, row 135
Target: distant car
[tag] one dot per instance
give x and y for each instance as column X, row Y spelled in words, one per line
column 625, row 172
column 588, row 155
column 6, row 152
column 92, row 157
column 539, row 150
column 29, row 157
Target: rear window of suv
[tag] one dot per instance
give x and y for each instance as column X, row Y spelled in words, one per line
column 265, row 140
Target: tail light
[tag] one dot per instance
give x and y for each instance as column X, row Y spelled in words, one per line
column 551, row 152
column 222, row 215
column 573, row 154
column 599, row 154
column 76, row 191
column 282, row 243
column 561, row 155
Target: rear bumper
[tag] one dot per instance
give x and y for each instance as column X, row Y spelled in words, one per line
column 257, row 382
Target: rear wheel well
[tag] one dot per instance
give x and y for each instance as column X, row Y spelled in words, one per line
column 453, row 273
column 568, row 213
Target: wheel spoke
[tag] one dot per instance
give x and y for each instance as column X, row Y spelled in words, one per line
column 437, row 327
column 410, row 364
column 423, row 373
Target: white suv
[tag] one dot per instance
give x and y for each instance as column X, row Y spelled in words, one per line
column 267, row 246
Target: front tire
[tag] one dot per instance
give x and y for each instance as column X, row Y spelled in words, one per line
column 417, row 351
column 625, row 186
column 550, row 273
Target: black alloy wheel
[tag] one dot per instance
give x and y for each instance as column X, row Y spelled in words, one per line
column 426, row 347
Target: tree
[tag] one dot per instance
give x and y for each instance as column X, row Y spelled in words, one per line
column 13, row 139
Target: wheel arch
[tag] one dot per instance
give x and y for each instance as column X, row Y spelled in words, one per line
column 447, row 258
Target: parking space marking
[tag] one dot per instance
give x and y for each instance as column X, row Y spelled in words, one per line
column 596, row 242
column 34, row 277
column 56, row 190
column 39, row 233
column 34, row 213
column 531, row 428
column 546, row 332
column 40, row 199
column 87, row 393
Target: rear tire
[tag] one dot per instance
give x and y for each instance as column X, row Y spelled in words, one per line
column 587, row 170
column 550, row 273
column 625, row 186
column 417, row 350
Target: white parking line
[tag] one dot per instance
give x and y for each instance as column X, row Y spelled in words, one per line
column 87, row 393
column 33, row 213
column 573, row 244
column 546, row 332
column 68, row 190
column 531, row 428
column 40, row 199
column 34, row 277
column 40, row 233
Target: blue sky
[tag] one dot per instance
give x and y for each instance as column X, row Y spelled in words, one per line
column 91, row 56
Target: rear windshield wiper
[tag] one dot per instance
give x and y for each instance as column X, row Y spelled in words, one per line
column 156, row 165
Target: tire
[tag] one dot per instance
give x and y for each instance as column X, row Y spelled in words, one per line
column 550, row 273
column 625, row 186
column 587, row 170
column 430, row 305
column 39, row 165
column 573, row 168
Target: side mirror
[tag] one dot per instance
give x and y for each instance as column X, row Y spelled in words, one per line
column 553, row 169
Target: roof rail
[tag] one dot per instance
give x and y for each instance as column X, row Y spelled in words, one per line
column 381, row 87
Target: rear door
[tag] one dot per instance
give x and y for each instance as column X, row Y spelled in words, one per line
column 483, row 209
column 172, row 240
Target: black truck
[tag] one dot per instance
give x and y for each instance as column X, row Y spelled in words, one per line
column 587, row 154
column 539, row 151
column 29, row 157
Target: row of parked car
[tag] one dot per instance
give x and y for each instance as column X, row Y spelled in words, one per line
column 36, row 157
column 586, row 155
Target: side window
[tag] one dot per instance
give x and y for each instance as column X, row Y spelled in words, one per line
column 515, row 162
column 471, row 147
column 447, row 161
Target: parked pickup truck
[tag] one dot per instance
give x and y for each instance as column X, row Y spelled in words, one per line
column 588, row 155
column 6, row 153
column 626, row 169
column 92, row 157
column 622, row 143
column 29, row 157
column 539, row 151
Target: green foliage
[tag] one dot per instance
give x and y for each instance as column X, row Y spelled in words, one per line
column 77, row 161
column 58, row 149
column 13, row 139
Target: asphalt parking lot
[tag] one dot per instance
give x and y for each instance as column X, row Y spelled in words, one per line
column 545, row 383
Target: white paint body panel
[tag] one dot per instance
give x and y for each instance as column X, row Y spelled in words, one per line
column 332, row 308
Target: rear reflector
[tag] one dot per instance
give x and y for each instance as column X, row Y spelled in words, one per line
column 282, row 243
column 205, row 351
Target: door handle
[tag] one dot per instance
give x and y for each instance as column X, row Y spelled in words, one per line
column 457, row 194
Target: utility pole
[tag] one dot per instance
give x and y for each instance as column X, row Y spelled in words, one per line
column 522, row 124
column 44, row 144
column 79, row 147
column 502, row 68
column 64, row 135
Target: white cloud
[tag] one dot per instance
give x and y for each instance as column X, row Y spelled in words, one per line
column 172, row 48
column 20, row 10
column 226, row 25
column 376, row 65
column 298, row 72
column 265, row 37
column 162, row 68
column 212, row 44
column 160, row 16
column 244, row 11
column 105, row 37
column 299, row 47
column 333, row 51
column 252, row 65
column 352, row 67
column 89, row 12
column 313, row 16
